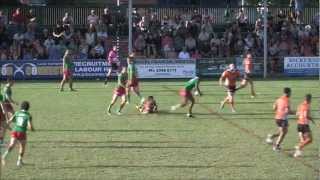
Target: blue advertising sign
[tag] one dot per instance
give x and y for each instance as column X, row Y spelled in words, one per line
column 301, row 66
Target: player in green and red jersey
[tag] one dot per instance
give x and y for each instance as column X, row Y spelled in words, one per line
column 186, row 94
column 120, row 91
column 133, row 82
column 22, row 120
column 67, row 71
column 7, row 99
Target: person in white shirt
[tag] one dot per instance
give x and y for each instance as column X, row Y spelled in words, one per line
column 184, row 54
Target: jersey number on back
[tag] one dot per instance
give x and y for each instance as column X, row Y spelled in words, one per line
column 20, row 121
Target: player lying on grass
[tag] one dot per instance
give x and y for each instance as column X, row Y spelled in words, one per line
column 22, row 120
column 186, row 94
column 282, row 110
column 133, row 81
column 148, row 106
column 304, row 116
column 120, row 91
column 228, row 79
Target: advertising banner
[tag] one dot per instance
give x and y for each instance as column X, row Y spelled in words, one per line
column 165, row 68
column 52, row 69
column 301, row 66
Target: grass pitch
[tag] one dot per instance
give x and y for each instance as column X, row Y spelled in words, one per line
column 75, row 139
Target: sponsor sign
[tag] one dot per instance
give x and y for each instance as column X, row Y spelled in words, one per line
column 301, row 66
column 165, row 68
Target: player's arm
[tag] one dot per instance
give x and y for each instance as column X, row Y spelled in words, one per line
column 274, row 107
column 130, row 74
column 30, row 125
column 222, row 78
column 198, row 88
column 9, row 98
column 308, row 115
column 155, row 107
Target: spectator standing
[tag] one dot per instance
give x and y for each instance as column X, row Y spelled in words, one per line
column 3, row 19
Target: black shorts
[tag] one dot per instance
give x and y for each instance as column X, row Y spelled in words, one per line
column 247, row 76
column 282, row 123
column 303, row 128
column 114, row 66
column 231, row 89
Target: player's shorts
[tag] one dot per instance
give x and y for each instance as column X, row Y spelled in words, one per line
column 114, row 66
column 185, row 93
column 282, row 123
column 19, row 135
column 67, row 73
column 247, row 76
column 134, row 83
column 231, row 89
column 303, row 128
column 7, row 107
column 120, row 91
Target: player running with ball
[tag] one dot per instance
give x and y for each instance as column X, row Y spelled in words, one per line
column 186, row 94
column 120, row 91
column 22, row 120
column 228, row 79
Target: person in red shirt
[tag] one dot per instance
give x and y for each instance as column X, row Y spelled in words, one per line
column 303, row 128
column 113, row 62
column 18, row 18
column 282, row 110
column 248, row 68
column 229, row 78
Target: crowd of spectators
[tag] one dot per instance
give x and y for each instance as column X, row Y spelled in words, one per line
column 194, row 35
column 22, row 37
column 183, row 35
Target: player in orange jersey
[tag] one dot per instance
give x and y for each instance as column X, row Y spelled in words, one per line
column 303, row 128
column 248, row 68
column 228, row 79
column 282, row 110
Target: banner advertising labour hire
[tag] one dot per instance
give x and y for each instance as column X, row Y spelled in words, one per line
column 52, row 69
column 165, row 68
column 301, row 66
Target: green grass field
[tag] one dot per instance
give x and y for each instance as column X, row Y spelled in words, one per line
column 75, row 139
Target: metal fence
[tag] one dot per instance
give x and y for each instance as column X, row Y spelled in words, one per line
column 50, row 15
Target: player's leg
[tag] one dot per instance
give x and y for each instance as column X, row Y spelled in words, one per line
column 252, row 91
column 123, row 103
column 62, row 83
column 70, row 79
column 128, row 91
column 136, row 90
column 307, row 139
column 184, row 100
column 113, row 101
column 231, row 101
column 108, row 75
column 11, row 145
column 22, row 149
column 191, row 99
column 283, row 131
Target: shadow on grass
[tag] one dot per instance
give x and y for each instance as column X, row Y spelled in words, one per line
column 153, row 166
